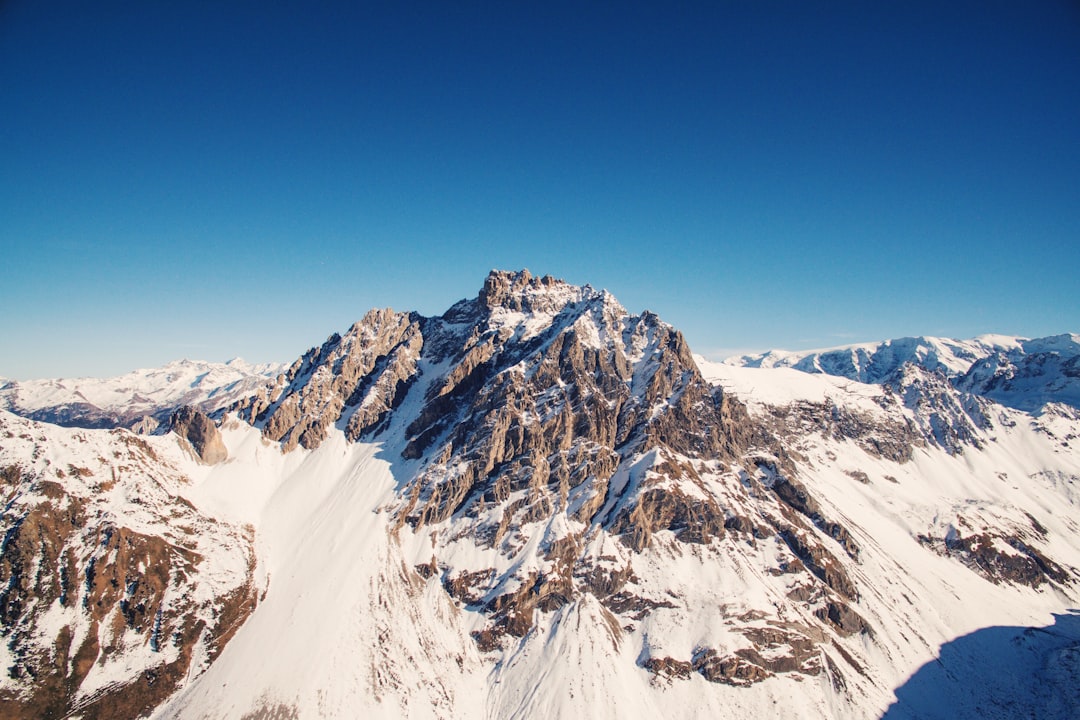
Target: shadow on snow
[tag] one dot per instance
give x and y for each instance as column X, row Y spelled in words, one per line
column 999, row 672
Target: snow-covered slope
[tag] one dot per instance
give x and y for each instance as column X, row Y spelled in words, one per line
column 140, row 399
column 114, row 590
column 540, row 505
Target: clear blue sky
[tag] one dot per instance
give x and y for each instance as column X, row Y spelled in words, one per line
column 210, row 179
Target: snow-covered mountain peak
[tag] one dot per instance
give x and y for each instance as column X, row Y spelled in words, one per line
column 537, row 505
column 540, row 463
column 266, row 369
column 516, row 322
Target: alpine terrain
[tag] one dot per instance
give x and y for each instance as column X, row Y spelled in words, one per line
column 538, row 505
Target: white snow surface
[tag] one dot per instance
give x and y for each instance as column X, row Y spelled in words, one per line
column 772, row 386
column 345, row 630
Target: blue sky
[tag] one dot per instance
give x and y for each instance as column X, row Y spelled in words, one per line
column 210, row 179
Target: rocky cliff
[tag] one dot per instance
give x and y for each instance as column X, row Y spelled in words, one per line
column 198, row 433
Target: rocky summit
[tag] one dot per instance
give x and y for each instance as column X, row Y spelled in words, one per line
column 541, row 505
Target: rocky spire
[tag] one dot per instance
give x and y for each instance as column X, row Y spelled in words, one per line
column 522, row 292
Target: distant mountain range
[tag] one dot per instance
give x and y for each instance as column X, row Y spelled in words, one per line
column 541, row 505
column 1016, row 372
column 140, row 399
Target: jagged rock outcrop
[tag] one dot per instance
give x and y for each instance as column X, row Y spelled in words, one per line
column 892, row 438
column 200, row 434
column 552, row 418
column 357, row 378
column 999, row 549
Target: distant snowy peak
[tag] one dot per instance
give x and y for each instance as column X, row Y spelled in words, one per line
column 241, row 365
column 1064, row 344
column 124, row 400
column 1045, row 370
column 1018, row 372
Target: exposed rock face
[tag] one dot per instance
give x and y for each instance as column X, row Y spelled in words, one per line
column 200, row 433
column 552, row 417
column 1000, row 550
column 893, row 439
column 540, row 404
column 947, row 418
column 108, row 594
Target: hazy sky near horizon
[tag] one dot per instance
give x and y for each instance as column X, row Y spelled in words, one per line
column 211, row 179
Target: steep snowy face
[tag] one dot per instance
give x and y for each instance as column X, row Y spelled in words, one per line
column 139, row 400
column 114, row 591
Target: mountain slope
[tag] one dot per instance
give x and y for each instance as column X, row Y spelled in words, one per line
column 115, row 590
column 561, row 471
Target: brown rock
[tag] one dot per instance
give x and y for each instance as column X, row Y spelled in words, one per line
column 200, row 434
